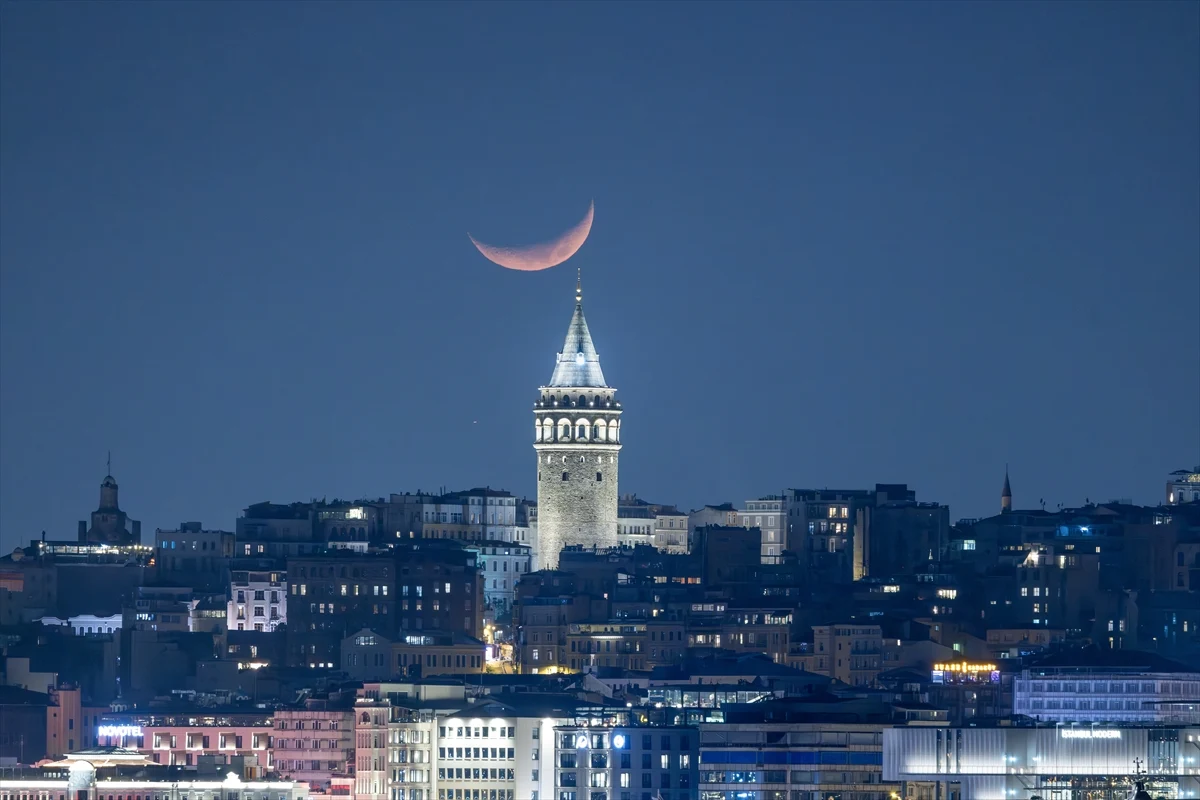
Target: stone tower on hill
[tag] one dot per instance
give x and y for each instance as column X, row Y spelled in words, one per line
column 577, row 436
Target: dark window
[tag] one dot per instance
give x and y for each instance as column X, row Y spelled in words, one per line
column 599, row 477
column 566, row 476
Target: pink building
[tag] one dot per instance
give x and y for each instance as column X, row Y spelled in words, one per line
column 181, row 737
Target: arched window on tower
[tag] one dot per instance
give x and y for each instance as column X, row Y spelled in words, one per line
column 600, row 432
column 599, row 476
column 547, row 431
column 581, row 432
column 566, row 476
column 564, row 431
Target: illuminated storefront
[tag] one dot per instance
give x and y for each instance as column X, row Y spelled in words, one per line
column 1063, row 762
column 965, row 672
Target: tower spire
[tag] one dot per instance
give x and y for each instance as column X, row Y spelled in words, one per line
column 1006, row 494
column 578, row 285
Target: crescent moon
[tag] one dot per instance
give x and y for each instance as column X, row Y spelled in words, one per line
column 540, row 256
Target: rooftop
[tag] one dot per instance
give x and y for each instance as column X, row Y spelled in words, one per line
column 1097, row 658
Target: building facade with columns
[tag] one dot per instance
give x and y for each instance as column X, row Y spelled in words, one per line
column 577, row 437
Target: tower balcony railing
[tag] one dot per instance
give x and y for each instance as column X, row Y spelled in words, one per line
column 577, row 440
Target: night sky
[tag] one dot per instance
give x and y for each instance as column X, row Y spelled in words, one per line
column 834, row 245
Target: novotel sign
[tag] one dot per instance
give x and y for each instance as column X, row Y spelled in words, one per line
column 119, row 731
column 1089, row 733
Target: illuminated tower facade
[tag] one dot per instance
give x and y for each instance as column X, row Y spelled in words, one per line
column 577, row 436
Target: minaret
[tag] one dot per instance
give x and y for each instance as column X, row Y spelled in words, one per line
column 1006, row 495
column 577, row 437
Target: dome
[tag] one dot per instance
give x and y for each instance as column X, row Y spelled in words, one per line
column 109, row 482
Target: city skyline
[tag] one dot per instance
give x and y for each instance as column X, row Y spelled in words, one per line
column 226, row 523
column 902, row 300
column 286, row 307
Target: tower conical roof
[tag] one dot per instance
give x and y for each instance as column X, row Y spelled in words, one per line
column 578, row 364
column 1007, row 492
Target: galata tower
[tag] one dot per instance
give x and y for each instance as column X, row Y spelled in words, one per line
column 577, row 436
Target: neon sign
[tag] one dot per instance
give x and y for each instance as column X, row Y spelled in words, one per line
column 1089, row 733
column 964, row 667
column 119, row 731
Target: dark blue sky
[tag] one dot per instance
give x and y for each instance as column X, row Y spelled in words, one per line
column 834, row 244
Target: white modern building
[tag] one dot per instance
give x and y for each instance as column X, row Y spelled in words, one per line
column 257, row 600
column 428, row 741
column 1069, row 762
column 1109, row 687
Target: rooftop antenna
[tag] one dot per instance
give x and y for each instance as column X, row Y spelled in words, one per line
column 109, row 463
